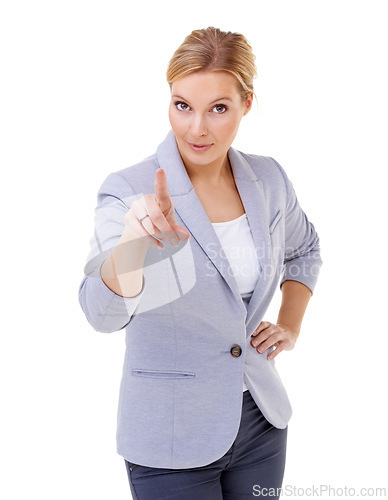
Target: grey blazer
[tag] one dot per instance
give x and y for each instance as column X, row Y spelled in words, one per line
column 181, row 392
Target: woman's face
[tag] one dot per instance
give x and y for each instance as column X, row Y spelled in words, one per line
column 205, row 112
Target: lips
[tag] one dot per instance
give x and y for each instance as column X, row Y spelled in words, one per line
column 199, row 147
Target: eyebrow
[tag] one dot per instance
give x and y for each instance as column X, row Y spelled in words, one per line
column 216, row 100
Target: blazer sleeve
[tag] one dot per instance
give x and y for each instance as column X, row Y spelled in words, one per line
column 302, row 257
column 106, row 311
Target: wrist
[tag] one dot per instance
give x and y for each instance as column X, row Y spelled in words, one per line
column 293, row 329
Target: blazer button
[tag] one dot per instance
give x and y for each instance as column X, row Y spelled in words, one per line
column 236, row 351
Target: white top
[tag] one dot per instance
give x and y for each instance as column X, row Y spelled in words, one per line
column 237, row 243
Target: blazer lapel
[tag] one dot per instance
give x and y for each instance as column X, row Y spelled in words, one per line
column 252, row 195
column 193, row 216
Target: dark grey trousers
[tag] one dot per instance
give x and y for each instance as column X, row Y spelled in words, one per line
column 252, row 467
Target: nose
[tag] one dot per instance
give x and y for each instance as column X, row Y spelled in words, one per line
column 198, row 126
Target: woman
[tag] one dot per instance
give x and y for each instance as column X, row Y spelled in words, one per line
column 189, row 272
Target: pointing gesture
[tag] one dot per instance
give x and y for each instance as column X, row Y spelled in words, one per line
column 161, row 192
column 153, row 218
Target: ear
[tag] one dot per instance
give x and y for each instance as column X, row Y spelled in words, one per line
column 248, row 104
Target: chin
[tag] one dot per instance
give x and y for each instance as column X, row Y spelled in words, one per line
column 201, row 159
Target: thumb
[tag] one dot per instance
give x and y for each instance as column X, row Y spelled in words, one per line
column 182, row 233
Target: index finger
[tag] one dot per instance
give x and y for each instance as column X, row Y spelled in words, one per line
column 161, row 190
column 263, row 326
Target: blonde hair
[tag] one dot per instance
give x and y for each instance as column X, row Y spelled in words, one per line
column 211, row 49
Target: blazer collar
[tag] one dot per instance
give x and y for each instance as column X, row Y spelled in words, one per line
column 194, row 218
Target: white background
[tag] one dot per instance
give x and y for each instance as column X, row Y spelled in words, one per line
column 83, row 93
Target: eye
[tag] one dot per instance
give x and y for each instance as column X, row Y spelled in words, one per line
column 219, row 109
column 182, row 106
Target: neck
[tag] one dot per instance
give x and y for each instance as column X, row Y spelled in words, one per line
column 212, row 174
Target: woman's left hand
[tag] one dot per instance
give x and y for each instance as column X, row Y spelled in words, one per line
column 268, row 334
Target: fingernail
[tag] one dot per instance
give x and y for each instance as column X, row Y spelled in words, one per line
column 174, row 242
